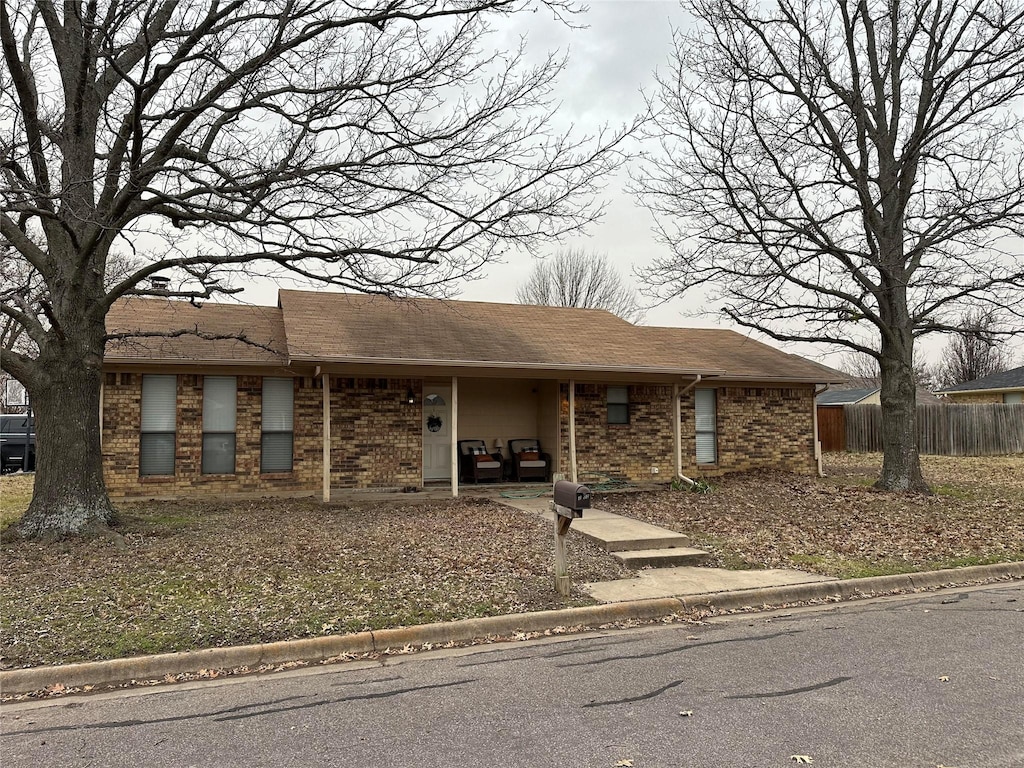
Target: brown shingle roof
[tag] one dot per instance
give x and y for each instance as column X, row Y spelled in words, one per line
column 351, row 327
column 738, row 356
column 357, row 328
column 205, row 331
column 317, row 327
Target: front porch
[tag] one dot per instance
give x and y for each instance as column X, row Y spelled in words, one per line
column 394, row 435
column 417, row 433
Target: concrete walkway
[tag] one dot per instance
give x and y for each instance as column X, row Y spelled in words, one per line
column 684, row 581
column 639, row 544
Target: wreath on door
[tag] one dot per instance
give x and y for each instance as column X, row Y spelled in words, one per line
column 434, row 423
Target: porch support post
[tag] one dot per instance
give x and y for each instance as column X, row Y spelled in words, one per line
column 572, row 431
column 677, row 435
column 455, row 436
column 326, row 379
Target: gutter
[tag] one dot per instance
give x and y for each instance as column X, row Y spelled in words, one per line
column 432, row 363
column 948, row 392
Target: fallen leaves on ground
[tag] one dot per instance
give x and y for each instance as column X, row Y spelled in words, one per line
column 193, row 573
column 198, row 574
column 840, row 526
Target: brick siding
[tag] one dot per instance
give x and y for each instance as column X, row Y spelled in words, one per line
column 620, row 450
column 765, row 428
column 376, row 436
column 758, row 428
column 122, row 401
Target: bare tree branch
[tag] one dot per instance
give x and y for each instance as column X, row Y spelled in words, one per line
column 846, row 173
column 377, row 146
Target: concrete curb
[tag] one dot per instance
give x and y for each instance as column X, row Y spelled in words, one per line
column 317, row 649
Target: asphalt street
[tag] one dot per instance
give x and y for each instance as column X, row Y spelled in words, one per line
column 928, row 680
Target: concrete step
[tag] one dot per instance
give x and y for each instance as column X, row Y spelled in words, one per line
column 672, row 556
column 620, row 534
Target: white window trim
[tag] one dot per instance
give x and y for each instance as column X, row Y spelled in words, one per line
column 290, row 431
column 696, row 425
column 151, row 429
column 229, row 416
column 609, row 403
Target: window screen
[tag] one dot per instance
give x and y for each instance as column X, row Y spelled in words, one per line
column 706, row 426
column 618, row 405
column 159, row 411
column 219, row 407
column 277, row 438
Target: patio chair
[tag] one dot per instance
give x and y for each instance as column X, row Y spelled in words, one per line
column 528, row 461
column 476, row 463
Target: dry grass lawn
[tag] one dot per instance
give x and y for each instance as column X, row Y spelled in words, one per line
column 193, row 574
column 200, row 574
column 840, row 526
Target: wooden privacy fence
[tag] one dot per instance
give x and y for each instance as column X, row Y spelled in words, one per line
column 947, row 430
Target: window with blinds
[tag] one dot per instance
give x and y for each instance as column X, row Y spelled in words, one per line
column 219, row 408
column 278, row 436
column 159, row 414
column 618, row 405
column 706, row 418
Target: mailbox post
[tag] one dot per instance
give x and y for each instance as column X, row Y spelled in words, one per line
column 570, row 501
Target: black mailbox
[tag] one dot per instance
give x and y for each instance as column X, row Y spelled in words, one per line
column 572, row 495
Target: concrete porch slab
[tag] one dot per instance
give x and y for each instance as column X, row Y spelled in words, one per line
column 677, row 582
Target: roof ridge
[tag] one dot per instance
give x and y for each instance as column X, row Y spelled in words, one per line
column 449, row 302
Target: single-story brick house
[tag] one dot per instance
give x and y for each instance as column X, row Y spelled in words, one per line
column 1005, row 387
column 343, row 391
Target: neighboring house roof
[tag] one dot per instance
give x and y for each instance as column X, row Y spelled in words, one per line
column 320, row 328
column 851, row 395
column 1012, row 379
column 209, row 333
column 845, row 396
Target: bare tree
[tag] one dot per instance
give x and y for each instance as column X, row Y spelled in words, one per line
column 577, row 278
column 377, row 146
column 974, row 351
column 848, row 173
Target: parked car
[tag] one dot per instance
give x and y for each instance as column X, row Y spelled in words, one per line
column 12, row 441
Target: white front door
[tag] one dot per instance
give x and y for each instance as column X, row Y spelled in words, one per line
column 437, row 433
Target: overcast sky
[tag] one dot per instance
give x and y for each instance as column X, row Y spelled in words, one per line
column 610, row 61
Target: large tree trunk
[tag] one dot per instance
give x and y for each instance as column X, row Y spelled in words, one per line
column 70, row 496
column 901, row 464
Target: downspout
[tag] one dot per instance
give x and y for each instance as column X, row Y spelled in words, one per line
column 678, row 427
column 817, row 442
